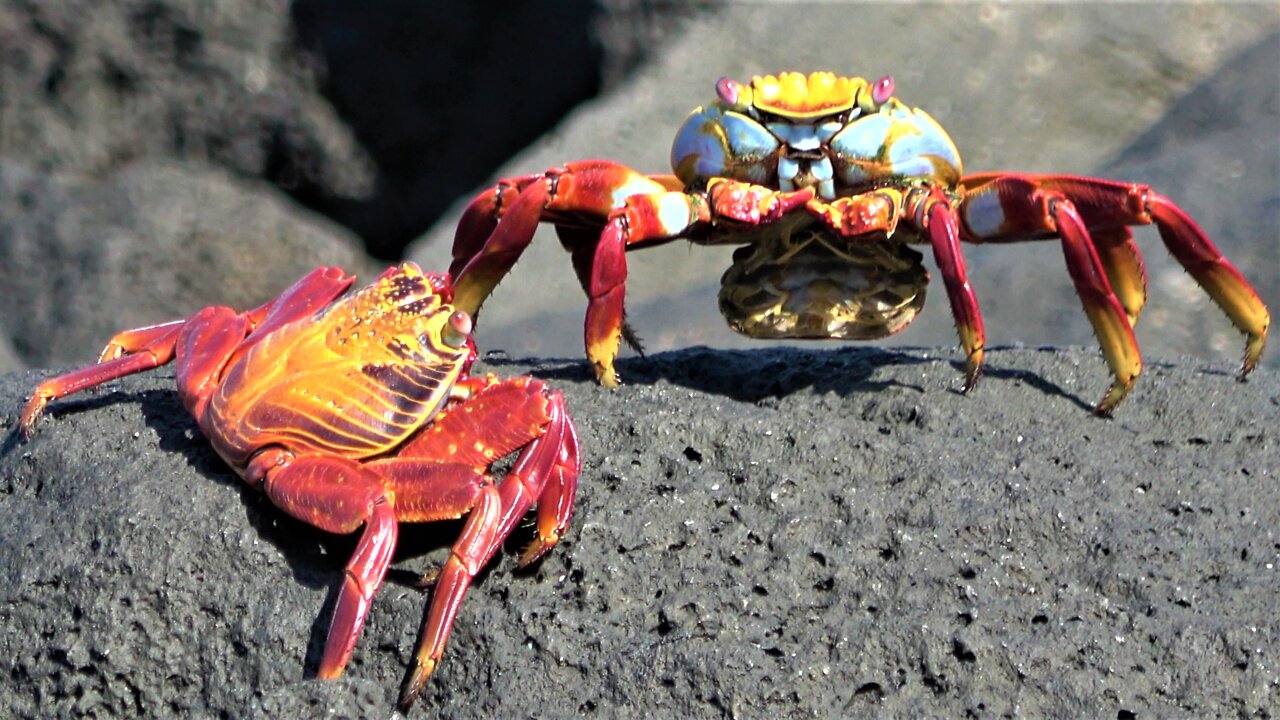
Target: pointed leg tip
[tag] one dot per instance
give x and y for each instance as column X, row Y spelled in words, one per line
column 31, row 414
column 413, row 687
column 972, row 370
column 607, row 376
column 539, row 547
column 428, row 579
column 1115, row 395
column 329, row 671
column 1252, row 354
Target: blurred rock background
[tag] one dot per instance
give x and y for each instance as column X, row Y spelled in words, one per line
column 159, row 156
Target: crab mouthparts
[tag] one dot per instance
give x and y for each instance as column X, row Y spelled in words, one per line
column 797, row 171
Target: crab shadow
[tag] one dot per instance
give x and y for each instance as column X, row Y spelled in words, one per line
column 756, row 375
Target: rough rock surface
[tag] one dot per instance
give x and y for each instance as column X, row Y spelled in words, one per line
column 769, row 532
column 761, row 533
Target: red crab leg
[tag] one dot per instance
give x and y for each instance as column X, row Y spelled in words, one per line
column 128, row 342
column 651, row 219
column 503, row 416
column 1006, row 209
column 547, row 468
column 934, row 215
column 481, row 217
column 1003, row 208
column 632, row 208
column 1027, row 209
column 160, row 353
column 1123, row 264
column 1220, row 279
column 339, row 495
column 142, row 349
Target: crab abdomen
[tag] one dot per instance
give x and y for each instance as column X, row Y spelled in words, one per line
column 808, row 282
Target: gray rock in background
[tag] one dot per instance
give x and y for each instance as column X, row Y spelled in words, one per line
column 377, row 120
column 1182, row 97
column 440, row 94
column 765, row 533
column 90, row 86
column 152, row 242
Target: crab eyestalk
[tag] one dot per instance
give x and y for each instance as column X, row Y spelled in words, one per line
column 457, row 330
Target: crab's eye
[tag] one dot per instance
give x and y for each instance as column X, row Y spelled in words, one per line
column 457, row 330
column 882, row 90
column 729, row 91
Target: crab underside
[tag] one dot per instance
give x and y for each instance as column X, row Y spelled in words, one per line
column 805, row 281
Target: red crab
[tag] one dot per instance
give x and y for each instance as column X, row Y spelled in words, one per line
column 824, row 181
column 358, row 409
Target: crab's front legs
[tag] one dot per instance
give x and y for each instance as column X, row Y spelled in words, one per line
column 602, row 208
column 932, row 213
column 442, row 475
column 928, row 211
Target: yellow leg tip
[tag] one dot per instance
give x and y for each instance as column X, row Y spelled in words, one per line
column 606, row 375
column 421, row 673
column 539, row 547
column 1118, row 391
column 1252, row 353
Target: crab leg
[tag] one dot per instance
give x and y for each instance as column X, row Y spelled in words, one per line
column 431, row 482
column 338, row 495
column 500, row 223
column 504, row 416
column 1108, row 316
column 1015, row 206
column 1122, row 262
column 933, row 214
column 1002, row 208
column 134, row 351
column 632, row 208
column 929, row 212
column 546, row 469
column 1224, row 283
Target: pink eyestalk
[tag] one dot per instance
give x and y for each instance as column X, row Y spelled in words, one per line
column 733, row 93
column 882, row 90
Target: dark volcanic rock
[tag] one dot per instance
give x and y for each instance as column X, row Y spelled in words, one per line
column 762, row 533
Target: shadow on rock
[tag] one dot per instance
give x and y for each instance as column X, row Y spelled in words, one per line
column 754, row 376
